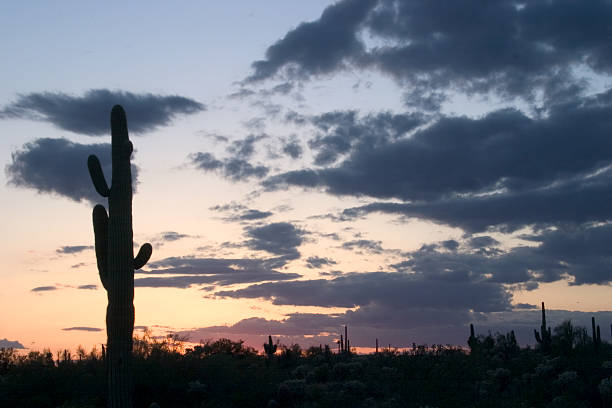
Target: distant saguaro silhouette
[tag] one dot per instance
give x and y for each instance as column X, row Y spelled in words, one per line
column 270, row 349
column 115, row 258
column 544, row 337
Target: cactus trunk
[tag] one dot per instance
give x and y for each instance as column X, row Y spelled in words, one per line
column 115, row 257
column 544, row 337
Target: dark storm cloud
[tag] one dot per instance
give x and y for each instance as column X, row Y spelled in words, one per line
column 340, row 132
column 317, row 262
column 503, row 170
column 457, row 155
column 59, row 166
column 580, row 252
column 450, row 244
column 83, row 328
column 89, row 114
column 574, row 201
column 73, row 249
column 279, row 238
column 43, row 289
column 6, row 344
column 429, row 47
column 389, row 289
column 483, row 241
column 211, row 271
column 317, row 47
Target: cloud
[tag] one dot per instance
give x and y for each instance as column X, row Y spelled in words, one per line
column 237, row 166
column 234, row 169
column 292, row 148
column 172, row 236
column 191, row 271
column 73, row 249
column 240, row 213
column 390, row 327
column 82, row 328
column 579, row 253
column 78, row 265
column 251, row 214
column 168, row 236
column 450, row 244
column 341, row 132
column 483, row 241
column 388, row 289
column 504, row 169
column 279, row 238
column 430, row 48
column 525, row 306
column 6, row 344
column 317, row 47
column 374, row 247
column 89, row 114
column 242, row 93
column 246, row 147
column 575, row 201
column 458, row 155
column 59, row 166
column 43, row 289
column 317, row 262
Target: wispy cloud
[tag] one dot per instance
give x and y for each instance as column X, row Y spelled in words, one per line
column 82, row 328
column 43, row 289
column 73, row 249
column 6, row 344
column 190, row 271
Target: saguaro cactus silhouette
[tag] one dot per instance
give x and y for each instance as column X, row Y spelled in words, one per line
column 544, row 337
column 270, row 349
column 115, row 258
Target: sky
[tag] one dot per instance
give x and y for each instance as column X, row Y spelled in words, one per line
column 404, row 168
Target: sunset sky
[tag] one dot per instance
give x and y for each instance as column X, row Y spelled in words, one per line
column 402, row 167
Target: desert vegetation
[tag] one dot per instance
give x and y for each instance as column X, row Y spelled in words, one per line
column 573, row 370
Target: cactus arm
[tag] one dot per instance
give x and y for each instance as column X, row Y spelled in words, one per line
column 100, row 224
column 97, row 176
column 143, row 256
column 537, row 336
column 598, row 334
